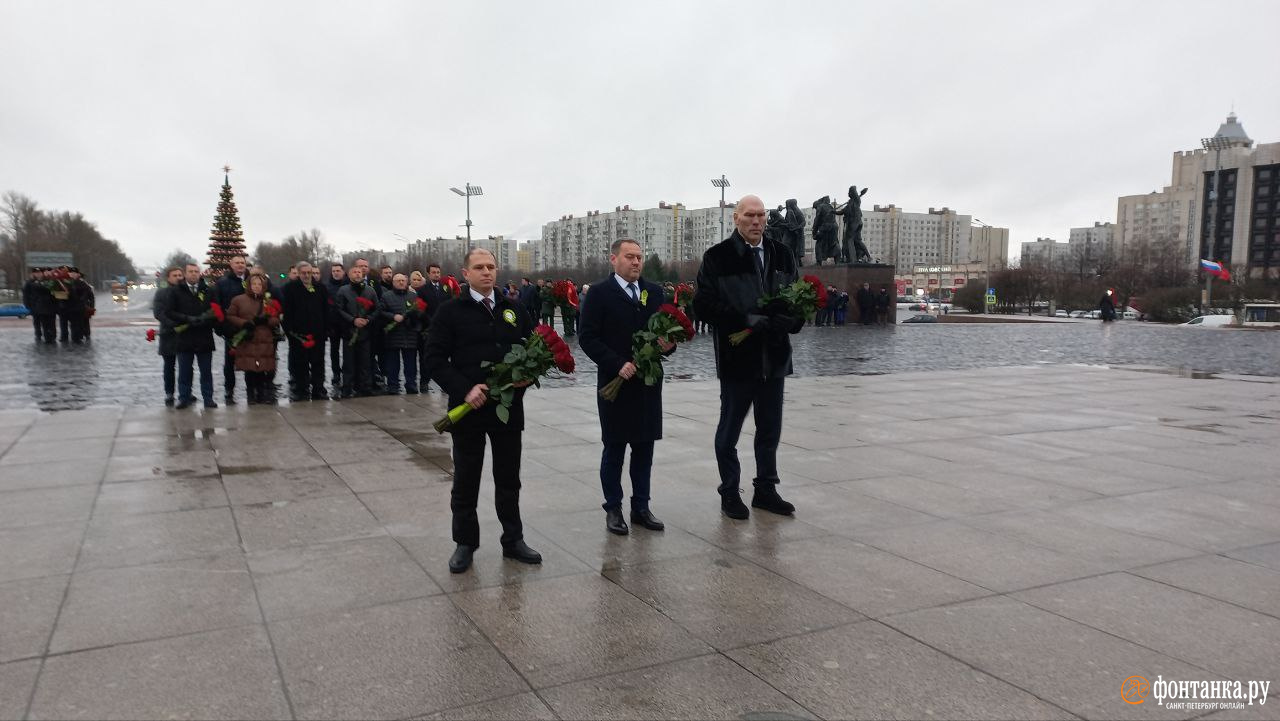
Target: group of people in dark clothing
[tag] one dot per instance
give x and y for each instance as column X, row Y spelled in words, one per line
column 872, row 308
column 61, row 302
column 375, row 329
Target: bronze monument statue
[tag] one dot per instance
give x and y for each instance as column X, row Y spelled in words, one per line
column 852, row 212
column 793, row 230
column 825, row 231
column 773, row 229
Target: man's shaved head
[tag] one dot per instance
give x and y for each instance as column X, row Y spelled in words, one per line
column 749, row 218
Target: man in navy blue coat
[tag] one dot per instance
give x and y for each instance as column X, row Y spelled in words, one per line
column 619, row 306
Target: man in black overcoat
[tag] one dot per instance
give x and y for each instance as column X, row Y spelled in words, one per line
column 735, row 274
column 435, row 295
column 481, row 325
column 619, row 306
column 337, row 279
column 187, row 308
column 306, row 313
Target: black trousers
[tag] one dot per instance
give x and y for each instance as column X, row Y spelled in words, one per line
column 611, row 460
column 468, row 464
column 48, row 324
column 306, row 366
column 357, row 368
column 64, row 324
column 35, row 323
column 228, row 367
column 335, row 356
column 736, row 398
column 423, row 376
column 170, row 374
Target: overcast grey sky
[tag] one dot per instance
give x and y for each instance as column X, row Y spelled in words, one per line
column 355, row 118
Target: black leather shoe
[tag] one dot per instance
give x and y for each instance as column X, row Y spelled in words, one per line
column 732, row 506
column 229, row 399
column 168, row 401
column 647, row 519
column 521, row 552
column 185, row 403
column 614, row 523
column 319, row 395
column 210, row 404
column 766, row 498
column 461, row 558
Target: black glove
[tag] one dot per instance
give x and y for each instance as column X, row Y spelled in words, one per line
column 781, row 324
column 757, row 322
column 249, row 324
column 196, row 321
column 797, row 326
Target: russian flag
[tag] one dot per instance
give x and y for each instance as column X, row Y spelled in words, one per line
column 1214, row 268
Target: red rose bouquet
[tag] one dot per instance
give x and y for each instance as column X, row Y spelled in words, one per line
column 308, row 341
column 270, row 308
column 214, row 313
column 802, row 298
column 364, row 306
column 414, row 307
column 684, row 295
column 565, row 294
column 450, row 284
column 151, row 334
column 542, row 352
column 669, row 324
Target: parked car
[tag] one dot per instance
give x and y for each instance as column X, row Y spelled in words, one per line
column 14, row 309
column 1094, row 314
column 1129, row 315
column 1079, row 314
column 1211, row 321
column 922, row 319
column 1061, row 314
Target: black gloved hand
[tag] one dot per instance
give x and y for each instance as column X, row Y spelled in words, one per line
column 757, row 322
column 781, row 324
column 249, row 324
column 797, row 326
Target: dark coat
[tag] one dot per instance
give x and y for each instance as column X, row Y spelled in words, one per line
column 186, row 308
column 866, row 300
column 348, row 310
column 728, row 292
column 168, row 340
column 333, row 286
column 609, row 319
column 305, row 311
column 42, row 302
column 404, row 302
column 257, row 352
column 229, row 286
column 530, row 300
column 464, row 334
column 435, row 297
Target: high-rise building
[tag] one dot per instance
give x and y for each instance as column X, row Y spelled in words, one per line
column 1245, row 215
column 1044, row 252
column 1087, row 246
column 670, row 231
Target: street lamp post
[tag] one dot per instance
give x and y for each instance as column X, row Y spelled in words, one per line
column 1217, row 144
column 471, row 190
column 721, row 183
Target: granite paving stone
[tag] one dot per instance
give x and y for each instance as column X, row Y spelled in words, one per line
column 227, row 674
column 857, row 671
column 1226, row 579
column 16, row 682
column 512, row 708
column 391, row 661
column 132, row 540
column 706, row 687
column 298, row 523
column 161, row 495
column 304, row 580
column 28, row 610
column 571, row 628
column 35, row 551
column 42, row 506
column 1263, row 555
column 42, row 475
column 118, row 605
column 1226, row 639
column 290, row 484
column 729, row 602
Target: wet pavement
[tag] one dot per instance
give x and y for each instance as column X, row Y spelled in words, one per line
column 120, row 368
column 1009, row 542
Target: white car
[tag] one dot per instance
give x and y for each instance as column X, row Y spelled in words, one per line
column 1211, row 321
column 1061, row 314
column 1079, row 314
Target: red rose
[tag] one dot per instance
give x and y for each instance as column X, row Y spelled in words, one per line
column 218, row 315
column 365, row 303
column 151, row 334
column 422, row 305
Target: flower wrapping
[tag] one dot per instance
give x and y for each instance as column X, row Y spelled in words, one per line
column 803, row 298
column 684, row 295
column 565, row 294
column 450, row 284
column 669, row 324
column 541, row 353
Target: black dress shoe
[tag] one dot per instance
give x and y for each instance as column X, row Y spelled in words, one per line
column 461, row 558
column 647, row 519
column 766, row 498
column 613, row 522
column 185, row 403
column 229, row 400
column 210, row 404
column 168, row 401
column 521, row 552
column 319, row 395
column 732, row 506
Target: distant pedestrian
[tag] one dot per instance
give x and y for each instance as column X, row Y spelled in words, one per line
column 866, row 304
column 168, row 349
column 1107, row 307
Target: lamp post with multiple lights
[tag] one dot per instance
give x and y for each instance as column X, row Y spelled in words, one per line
column 721, row 183
column 470, row 191
column 1217, row 144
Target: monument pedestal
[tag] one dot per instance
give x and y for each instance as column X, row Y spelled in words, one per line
column 849, row 277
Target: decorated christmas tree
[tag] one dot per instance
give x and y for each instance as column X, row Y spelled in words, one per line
column 227, row 239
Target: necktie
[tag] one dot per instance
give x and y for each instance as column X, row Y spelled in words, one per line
column 193, row 289
column 758, row 253
column 488, row 305
column 632, row 288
